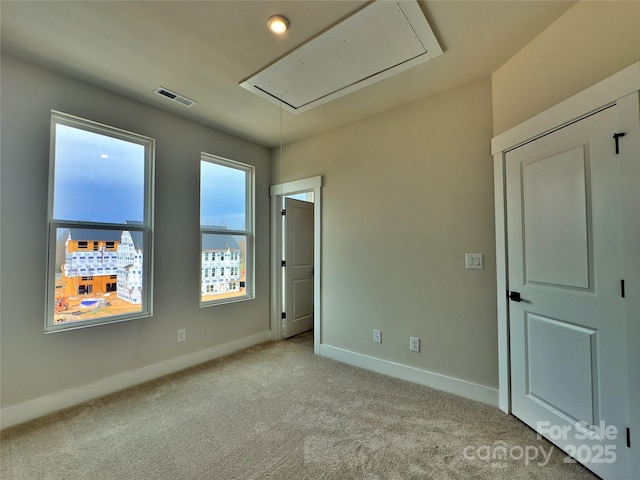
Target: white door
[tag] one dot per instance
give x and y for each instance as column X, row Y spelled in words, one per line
column 567, row 332
column 298, row 269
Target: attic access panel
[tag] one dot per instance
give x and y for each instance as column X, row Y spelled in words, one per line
column 378, row 41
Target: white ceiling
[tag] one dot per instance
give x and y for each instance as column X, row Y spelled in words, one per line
column 204, row 49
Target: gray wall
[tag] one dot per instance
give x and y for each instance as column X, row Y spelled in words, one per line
column 34, row 364
column 406, row 194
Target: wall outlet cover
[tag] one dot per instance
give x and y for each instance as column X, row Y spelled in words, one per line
column 474, row 261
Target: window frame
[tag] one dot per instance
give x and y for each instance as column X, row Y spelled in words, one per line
column 248, row 233
column 146, row 227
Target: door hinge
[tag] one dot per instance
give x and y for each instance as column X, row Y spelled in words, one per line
column 628, row 437
column 283, row 212
column 616, row 136
column 622, row 288
column 283, row 263
column 283, row 315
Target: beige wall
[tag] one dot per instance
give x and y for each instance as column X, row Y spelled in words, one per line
column 591, row 41
column 34, row 364
column 406, row 194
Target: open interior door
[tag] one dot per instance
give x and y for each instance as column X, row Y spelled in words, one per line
column 298, row 267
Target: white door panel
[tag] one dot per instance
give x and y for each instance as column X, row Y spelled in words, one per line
column 567, row 335
column 298, row 272
column 556, row 246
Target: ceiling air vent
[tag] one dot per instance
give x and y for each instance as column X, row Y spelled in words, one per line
column 380, row 40
column 176, row 97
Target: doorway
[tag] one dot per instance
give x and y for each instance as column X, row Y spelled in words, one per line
column 297, row 265
column 305, row 191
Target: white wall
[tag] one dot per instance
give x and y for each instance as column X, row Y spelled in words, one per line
column 35, row 365
column 405, row 195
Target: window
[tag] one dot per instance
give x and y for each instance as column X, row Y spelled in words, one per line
column 84, row 289
column 100, row 194
column 226, row 227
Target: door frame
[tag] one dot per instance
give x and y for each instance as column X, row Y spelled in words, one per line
column 621, row 89
column 277, row 194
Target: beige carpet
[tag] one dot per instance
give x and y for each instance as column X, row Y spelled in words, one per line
column 276, row 411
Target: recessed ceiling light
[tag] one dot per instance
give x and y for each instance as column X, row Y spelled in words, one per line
column 278, row 24
column 104, row 155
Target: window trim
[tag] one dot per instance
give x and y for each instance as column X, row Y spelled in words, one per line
column 248, row 233
column 60, row 118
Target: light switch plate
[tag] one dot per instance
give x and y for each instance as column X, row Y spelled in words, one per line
column 474, row 261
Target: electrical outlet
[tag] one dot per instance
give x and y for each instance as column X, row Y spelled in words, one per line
column 182, row 334
column 414, row 344
column 377, row 336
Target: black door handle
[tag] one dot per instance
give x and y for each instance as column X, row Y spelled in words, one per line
column 515, row 296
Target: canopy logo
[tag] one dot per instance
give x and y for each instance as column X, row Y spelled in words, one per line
column 498, row 453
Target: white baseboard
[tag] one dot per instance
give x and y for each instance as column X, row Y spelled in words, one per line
column 38, row 407
column 453, row 385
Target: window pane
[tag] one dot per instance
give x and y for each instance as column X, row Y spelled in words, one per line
column 98, row 178
column 223, row 196
column 92, row 284
column 223, row 266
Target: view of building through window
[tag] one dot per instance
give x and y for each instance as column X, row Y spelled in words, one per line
column 98, row 273
column 223, row 266
column 225, row 224
column 99, row 223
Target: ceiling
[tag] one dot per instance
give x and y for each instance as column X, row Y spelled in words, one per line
column 204, row 49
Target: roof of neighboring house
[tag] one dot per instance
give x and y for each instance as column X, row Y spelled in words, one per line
column 90, row 234
column 219, row 242
column 94, row 235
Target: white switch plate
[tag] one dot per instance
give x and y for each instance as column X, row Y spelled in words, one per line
column 473, row 261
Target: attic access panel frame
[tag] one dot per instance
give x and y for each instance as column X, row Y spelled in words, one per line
column 378, row 41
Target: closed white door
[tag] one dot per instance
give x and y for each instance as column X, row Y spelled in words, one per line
column 298, row 269
column 566, row 308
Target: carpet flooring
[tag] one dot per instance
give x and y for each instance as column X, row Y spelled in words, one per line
column 276, row 411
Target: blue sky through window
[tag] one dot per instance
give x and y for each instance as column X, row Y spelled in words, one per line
column 98, row 178
column 222, row 196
